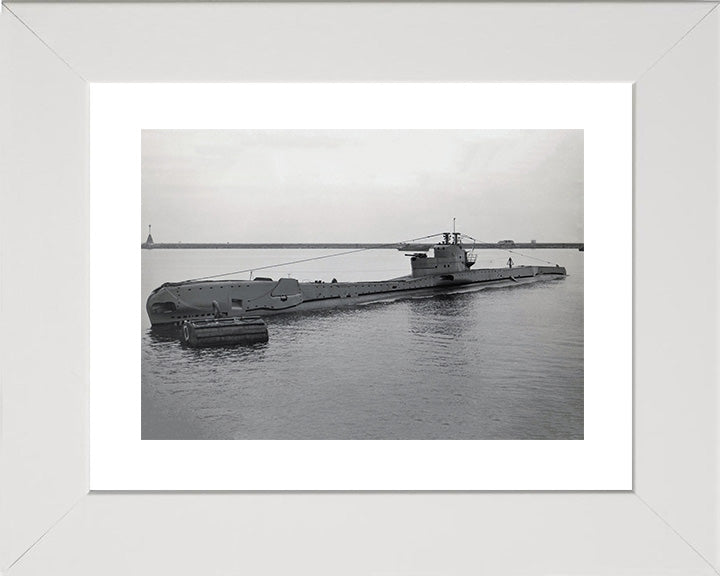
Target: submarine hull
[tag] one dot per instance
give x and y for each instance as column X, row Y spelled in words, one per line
column 174, row 303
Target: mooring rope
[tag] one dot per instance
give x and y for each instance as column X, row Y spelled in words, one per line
column 389, row 245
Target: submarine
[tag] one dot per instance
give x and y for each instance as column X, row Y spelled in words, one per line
column 451, row 266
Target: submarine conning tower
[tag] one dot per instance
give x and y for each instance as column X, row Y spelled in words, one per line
column 449, row 257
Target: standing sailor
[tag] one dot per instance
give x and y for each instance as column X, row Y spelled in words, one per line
column 510, row 262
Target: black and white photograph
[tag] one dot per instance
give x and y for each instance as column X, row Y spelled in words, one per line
column 371, row 284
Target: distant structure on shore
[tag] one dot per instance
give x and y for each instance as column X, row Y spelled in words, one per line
column 149, row 242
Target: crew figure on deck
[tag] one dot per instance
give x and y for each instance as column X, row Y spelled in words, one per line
column 510, row 262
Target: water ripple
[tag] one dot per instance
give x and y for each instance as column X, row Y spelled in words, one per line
column 505, row 363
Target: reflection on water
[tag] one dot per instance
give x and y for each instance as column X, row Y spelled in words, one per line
column 496, row 363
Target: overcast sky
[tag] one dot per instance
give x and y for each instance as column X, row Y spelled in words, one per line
column 361, row 185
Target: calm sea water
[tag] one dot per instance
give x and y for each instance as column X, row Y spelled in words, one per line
column 490, row 363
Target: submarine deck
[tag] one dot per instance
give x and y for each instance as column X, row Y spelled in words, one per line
column 174, row 302
column 321, row 291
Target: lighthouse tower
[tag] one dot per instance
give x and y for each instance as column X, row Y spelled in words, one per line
column 149, row 242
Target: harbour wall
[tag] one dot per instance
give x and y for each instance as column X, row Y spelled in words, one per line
column 350, row 246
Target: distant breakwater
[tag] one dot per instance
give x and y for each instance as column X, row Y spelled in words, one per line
column 350, row 246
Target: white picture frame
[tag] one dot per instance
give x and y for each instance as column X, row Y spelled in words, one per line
column 668, row 523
